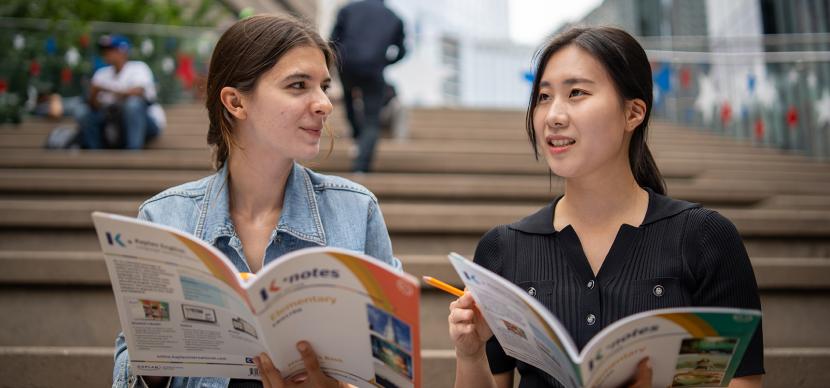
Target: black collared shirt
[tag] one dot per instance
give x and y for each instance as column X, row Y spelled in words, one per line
column 681, row 255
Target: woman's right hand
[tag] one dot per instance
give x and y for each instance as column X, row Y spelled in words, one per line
column 468, row 330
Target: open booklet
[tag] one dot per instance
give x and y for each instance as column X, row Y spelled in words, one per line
column 185, row 310
column 687, row 347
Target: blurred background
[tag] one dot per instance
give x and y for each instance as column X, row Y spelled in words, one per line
column 741, row 124
column 750, row 69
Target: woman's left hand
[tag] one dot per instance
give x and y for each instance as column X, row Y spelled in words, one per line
column 313, row 376
column 642, row 377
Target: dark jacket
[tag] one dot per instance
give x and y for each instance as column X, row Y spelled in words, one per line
column 362, row 35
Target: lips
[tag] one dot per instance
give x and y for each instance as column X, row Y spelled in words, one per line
column 313, row 130
column 558, row 144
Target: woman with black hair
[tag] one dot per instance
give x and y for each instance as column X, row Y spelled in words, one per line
column 614, row 244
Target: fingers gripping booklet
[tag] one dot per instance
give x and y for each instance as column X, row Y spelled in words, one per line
column 185, row 311
column 687, row 347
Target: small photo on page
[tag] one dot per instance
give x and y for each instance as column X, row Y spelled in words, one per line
column 514, row 328
column 703, row 361
column 242, row 325
column 393, row 357
column 198, row 314
column 389, row 327
column 155, row 310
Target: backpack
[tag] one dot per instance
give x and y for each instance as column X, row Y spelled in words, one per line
column 62, row 138
column 113, row 132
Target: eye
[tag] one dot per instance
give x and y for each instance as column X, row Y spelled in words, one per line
column 578, row 93
column 297, row 85
column 543, row 97
column 325, row 87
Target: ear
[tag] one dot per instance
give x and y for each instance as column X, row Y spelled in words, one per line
column 635, row 112
column 232, row 100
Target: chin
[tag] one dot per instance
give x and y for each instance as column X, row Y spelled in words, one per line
column 561, row 170
column 308, row 154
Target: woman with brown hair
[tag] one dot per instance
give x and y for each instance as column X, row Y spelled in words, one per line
column 267, row 105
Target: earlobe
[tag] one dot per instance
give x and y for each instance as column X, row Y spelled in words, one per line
column 636, row 113
column 232, row 100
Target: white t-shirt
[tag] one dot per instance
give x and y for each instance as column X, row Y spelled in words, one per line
column 133, row 74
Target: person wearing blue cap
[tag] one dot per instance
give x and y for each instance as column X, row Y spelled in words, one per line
column 122, row 96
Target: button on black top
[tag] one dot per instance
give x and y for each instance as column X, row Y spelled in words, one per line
column 591, row 319
column 681, row 255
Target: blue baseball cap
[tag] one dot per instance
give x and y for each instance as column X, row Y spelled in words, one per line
column 120, row 42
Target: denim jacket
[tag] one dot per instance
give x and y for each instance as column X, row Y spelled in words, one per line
column 318, row 210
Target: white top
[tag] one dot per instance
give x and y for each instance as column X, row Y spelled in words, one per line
column 133, row 74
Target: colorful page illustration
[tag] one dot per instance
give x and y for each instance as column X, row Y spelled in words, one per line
column 360, row 315
column 687, row 347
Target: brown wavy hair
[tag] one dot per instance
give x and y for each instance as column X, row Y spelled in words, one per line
column 243, row 53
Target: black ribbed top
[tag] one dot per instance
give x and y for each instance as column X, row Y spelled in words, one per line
column 694, row 254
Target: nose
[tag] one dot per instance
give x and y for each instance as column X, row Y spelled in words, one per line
column 557, row 116
column 321, row 104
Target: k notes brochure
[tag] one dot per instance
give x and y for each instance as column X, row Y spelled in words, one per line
column 687, row 347
column 186, row 311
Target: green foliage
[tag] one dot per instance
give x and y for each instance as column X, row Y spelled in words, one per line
column 51, row 28
column 169, row 12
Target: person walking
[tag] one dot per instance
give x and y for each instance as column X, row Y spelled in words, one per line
column 362, row 37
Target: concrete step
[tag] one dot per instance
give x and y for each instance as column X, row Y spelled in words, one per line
column 416, row 217
column 404, row 243
column 797, row 175
column 190, row 134
column 387, row 186
column 36, row 367
column 447, row 157
column 71, row 284
column 186, row 136
column 87, row 268
column 86, row 316
column 405, row 161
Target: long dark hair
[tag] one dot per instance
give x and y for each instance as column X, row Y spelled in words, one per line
column 245, row 51
column 628, row 66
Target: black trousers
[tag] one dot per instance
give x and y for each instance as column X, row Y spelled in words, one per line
column 365, row 122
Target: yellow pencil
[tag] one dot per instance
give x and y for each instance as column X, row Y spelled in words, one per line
column 443, row 286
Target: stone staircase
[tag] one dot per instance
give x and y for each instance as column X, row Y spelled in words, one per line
column 459, row 173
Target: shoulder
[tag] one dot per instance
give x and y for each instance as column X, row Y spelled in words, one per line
column 339, row 187
column 175, row 200
column 137, row 66
column 701, row 221
column 104, row 72
column 662, row 207
column 139, row 70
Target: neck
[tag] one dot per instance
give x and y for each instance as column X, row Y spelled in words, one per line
column 611, row 196
column 257, row 185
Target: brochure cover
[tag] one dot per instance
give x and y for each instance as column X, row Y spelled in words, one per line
column 687, row 347
column 186, row 311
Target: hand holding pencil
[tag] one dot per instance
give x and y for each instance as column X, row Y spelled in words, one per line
column 468, row 329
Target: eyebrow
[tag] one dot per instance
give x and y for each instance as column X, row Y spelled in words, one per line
column 303, row 76
column 569, row 81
